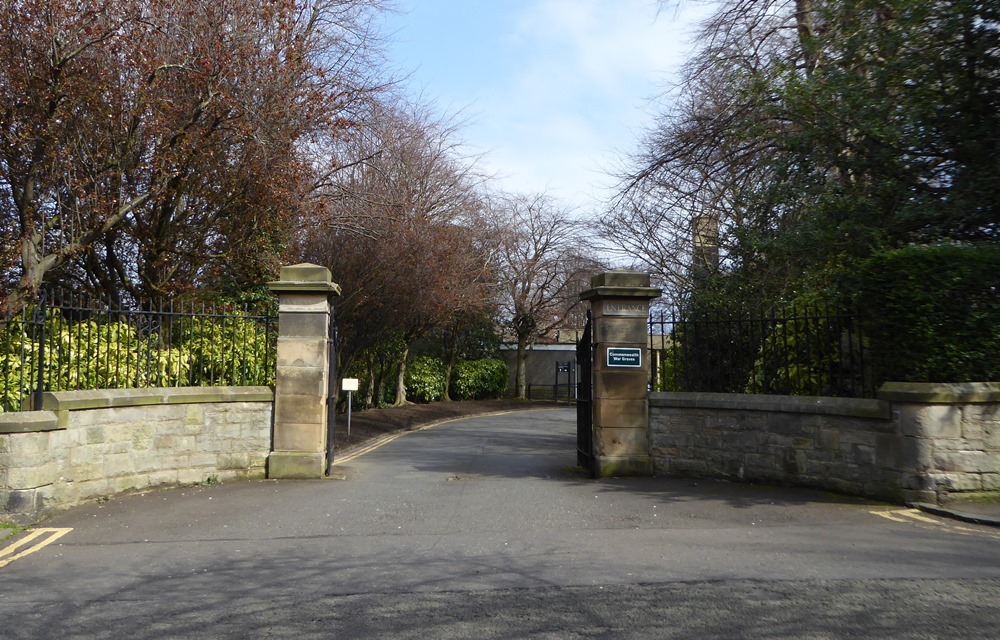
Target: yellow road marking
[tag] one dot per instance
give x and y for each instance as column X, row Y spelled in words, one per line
column 918, row 515
column 52, row 536
column 917, row 518
column 889, row 515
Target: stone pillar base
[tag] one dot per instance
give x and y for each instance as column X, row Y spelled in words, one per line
column 623, row 466
column 296, row 465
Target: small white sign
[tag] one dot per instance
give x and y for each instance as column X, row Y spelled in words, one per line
column 349, row 384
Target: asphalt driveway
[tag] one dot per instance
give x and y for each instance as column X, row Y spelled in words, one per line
column 484, row 528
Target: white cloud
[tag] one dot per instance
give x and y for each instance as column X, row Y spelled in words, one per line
column 555, row 89
column 581, row 73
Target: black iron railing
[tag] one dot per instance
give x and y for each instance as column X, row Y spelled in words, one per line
column 67, row 343
column 814, row 351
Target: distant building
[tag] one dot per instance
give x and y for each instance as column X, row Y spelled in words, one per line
column 541, row 366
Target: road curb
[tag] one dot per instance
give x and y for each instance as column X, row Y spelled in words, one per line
column 956, row 514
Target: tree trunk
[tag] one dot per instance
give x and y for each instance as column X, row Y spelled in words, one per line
column 370, row 389
column 519, row 381
column 401, row 379
column 448, row 368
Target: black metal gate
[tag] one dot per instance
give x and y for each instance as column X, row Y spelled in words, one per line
column 585, row 399
column 332, row 343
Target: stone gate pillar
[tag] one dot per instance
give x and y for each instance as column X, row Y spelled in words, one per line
column 301, row 385
column 619, row 302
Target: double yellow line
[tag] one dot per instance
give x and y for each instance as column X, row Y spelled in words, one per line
column 48, row 536
column 919, row 519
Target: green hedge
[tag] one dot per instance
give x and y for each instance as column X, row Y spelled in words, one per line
column 87, row 355
column 932, row 313
column 479, row 379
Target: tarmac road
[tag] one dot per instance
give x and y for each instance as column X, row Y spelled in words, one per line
column 482, row 528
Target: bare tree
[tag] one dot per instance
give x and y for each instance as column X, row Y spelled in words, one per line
column 542, row 267
column 411, row 256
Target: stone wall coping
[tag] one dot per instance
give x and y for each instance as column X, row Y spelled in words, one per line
column 940, row 393
column 105, row 398
column 305, row 272
column 283, row 286
column 29, row 421
column 646, row 293
column 620, row 278
column 854, row 407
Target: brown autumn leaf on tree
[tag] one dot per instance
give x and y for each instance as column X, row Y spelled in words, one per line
column 147, row 146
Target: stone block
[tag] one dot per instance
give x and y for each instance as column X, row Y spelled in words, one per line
column 621, row 384
column 855, row 436
column 888, row 451
column 302, row 352
column 955, row 481
column 863, row 455
column 620, row 278
column 621, row 442
column 991, row 436
column 966, row 461
column 787, row 424
column 190, row 476
column 991, row 481
column 119, row 465
column 194, row 419
column 972, row 421
column 85, row 472
column 201, row 459
column 304, row 325
column 623, row 466
column 20, row 501
column 620, row 413
column 299, row 410
column 828, row 439
column 162, row 477
column 688, row 465
column 625, row 332
column 142, row 437
column 296, row 465
column 681, row 424
column 931, row 421
column 95, row 435
column 93, row 489
column 300, row 437
column 129, row 483
column 31, row 477
column 233, row 461
column 301, row 381
column 28, row 444
column 915, row 454
column 908, row 496
column 916, row 482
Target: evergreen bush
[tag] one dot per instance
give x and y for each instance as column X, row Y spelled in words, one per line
column 479, row 379
column 424, row 379
column 932, row 313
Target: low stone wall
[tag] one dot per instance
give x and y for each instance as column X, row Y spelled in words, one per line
column 915, row 443
column 84, row 445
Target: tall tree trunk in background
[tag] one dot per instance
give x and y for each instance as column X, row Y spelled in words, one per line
column 401, row 379
column 804, row 22
column 448, row 368
column 520, row 382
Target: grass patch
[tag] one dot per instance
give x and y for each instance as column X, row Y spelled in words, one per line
column 8, row 531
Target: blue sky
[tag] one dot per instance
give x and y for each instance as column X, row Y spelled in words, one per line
column 554, row 91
